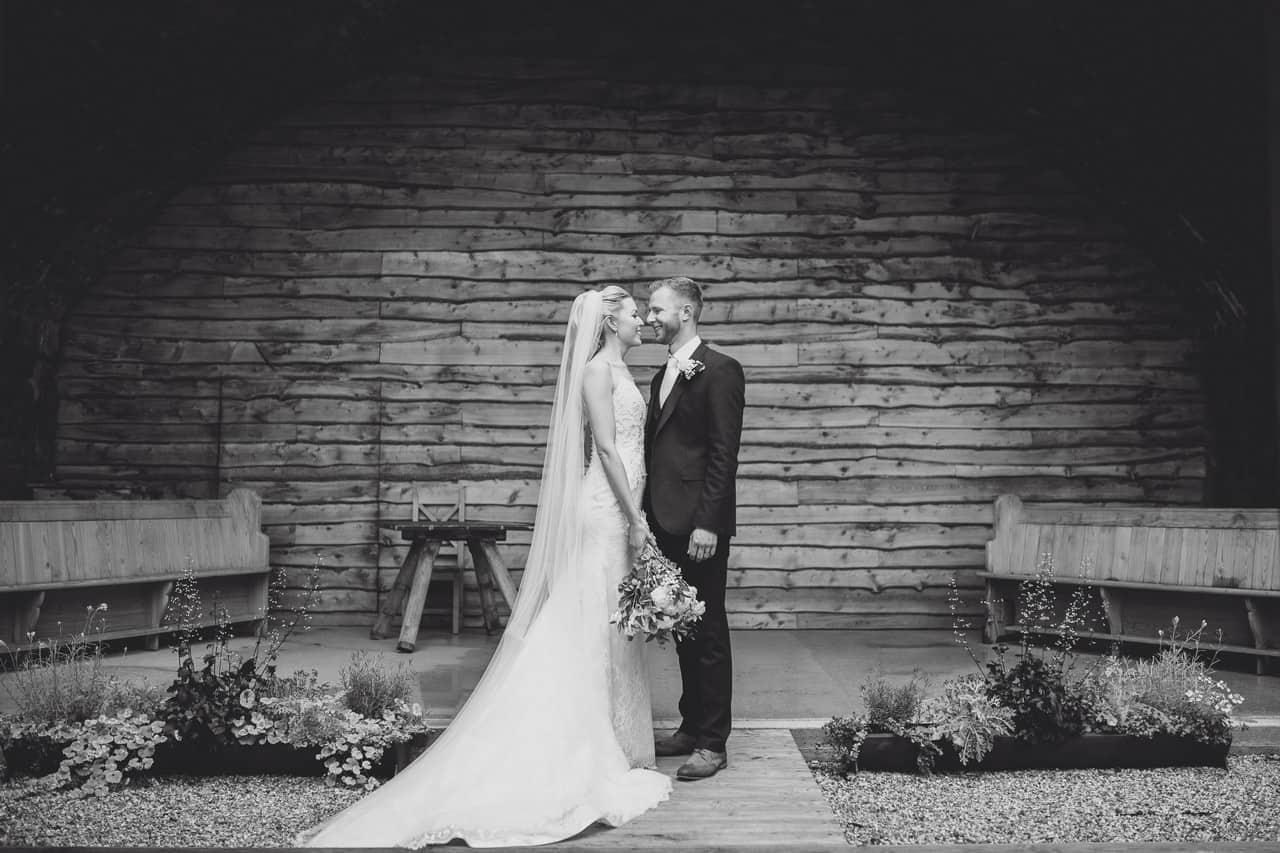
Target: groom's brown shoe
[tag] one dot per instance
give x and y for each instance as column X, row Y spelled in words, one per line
column 680, row 743
column 703, row 764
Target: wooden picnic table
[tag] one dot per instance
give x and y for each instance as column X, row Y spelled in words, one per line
column 481, row 540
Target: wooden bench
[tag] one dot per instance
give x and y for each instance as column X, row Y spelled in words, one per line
column 1147, row 565
column 58, row 558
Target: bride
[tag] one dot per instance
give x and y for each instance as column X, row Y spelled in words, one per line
column 558, row 733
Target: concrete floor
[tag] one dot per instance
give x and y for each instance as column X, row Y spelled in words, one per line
column 782, row 679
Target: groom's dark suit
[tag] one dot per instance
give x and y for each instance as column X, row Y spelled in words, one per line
column 691, row 454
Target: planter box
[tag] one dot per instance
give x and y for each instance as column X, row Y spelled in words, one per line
column 264, row 759
column 31, row 758
column 897, row 754
column 274, row 758
column 181, row 759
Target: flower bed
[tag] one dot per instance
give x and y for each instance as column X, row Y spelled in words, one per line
column 900, row 754
column 277, row 758
column 1039, row 709
column 86, row 731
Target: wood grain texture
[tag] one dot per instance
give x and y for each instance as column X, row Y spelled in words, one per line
column 125, row 554
column 372, row 292
column 1147, row 568
column 765, row 797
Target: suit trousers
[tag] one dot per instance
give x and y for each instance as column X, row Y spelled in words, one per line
column 706, row 662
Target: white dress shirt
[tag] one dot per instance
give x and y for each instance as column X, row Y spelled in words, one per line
column 669, row 378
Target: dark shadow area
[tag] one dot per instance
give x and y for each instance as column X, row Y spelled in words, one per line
column 1157, row 109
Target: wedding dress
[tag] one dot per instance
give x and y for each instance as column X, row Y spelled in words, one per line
column 558, row 734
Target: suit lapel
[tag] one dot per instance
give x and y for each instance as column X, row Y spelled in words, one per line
column 654, row 387
column 677, row 390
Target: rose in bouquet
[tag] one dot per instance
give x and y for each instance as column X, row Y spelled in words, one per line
column 654, row 601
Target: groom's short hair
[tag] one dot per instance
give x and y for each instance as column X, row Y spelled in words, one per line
column 684, row 287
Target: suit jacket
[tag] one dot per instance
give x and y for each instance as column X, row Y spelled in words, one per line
column 691, row 447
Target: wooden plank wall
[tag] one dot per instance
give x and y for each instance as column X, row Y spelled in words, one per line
column 371, row 292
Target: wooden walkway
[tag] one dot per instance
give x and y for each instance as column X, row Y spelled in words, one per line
column 766, row 797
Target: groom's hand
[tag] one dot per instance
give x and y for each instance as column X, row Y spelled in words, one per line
column 702, row 544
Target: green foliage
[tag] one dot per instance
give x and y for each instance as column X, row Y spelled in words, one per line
column 846, row 735
column 207, row 705
column 1038, row 697
column 890, row 709
column 32, row 749
column 1173, row 692
column 370, row 688
column 1045, row 707
column 62, row 679
column 349, row 756
column 108, row 749
column 93, row 733
column 1040, row 686
column 967, row 716
column 891, row 705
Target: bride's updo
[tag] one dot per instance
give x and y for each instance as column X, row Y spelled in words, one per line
column 611, row 299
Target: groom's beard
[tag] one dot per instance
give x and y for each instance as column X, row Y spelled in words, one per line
column 664, row 335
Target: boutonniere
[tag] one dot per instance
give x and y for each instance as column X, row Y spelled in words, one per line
column 689, row 368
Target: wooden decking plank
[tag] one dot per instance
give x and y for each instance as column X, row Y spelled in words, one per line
column 765, row 797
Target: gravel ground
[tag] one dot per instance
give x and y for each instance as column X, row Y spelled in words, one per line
column 175, row 811
column 1165, row 805
column 1183, row 804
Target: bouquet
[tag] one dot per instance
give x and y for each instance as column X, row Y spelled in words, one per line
column 655, row 601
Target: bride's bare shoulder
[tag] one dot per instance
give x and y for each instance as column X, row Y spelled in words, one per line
column 597, row 373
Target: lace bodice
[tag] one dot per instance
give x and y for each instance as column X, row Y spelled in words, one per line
column 629, row 412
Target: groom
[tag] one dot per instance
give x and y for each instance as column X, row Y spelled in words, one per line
column 691, row 454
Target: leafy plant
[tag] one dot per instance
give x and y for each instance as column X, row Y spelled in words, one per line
column 207, row 705
column 1045, row 707
column 349, row 757
column 1172, row 693
column 31, row 748
column 891, row 705
column 227, row 700
column 59, row 687
column 1047, row 697
column 890, row 709
column 846, row 735
column 967, row 716
column 350, row 744
column 108, row 749
column 61, row 679
column 370, row 688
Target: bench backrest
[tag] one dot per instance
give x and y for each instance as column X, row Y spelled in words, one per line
column 1182, row 546
column 73, row 543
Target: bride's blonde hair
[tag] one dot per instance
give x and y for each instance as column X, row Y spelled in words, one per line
column 611, row 299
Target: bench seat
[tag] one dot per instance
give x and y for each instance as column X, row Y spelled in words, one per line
column 60, row 558
column 1143, row 566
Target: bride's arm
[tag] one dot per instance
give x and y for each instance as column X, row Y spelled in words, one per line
column 597, row 391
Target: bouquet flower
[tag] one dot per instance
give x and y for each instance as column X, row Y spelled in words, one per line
column 655, row 601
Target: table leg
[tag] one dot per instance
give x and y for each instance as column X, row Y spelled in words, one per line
column 395, row 596
column 159, row 603
column 26, row 615
column 484, row 580
column 417, row 597
column 997, row 613
column 1262, row 639
column 499, row 569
